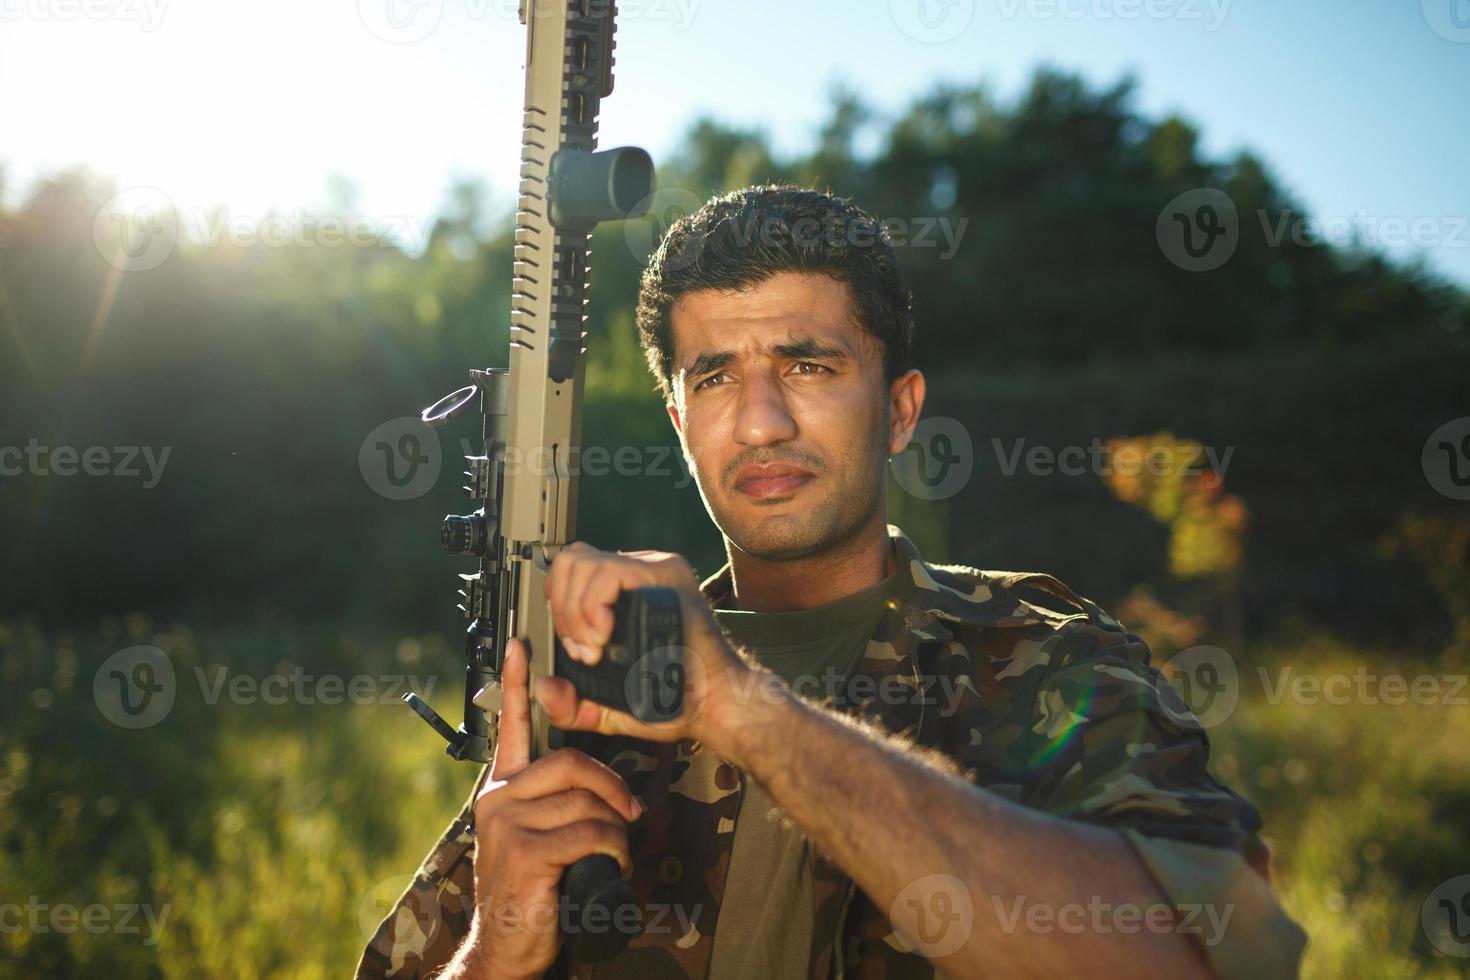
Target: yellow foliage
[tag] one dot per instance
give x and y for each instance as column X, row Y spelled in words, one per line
column 1165, row 476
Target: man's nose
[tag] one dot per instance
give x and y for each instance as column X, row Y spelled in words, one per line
column 763, row 415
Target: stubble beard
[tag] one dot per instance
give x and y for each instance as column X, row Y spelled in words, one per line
column 831, row 521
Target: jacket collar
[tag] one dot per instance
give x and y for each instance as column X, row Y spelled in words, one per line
column 934, row 592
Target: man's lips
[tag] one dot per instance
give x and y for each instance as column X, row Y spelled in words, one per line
column 771, row 480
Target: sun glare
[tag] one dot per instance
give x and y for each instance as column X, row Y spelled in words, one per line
column 251, row 108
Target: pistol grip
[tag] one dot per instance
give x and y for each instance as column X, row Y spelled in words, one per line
column 642, row 669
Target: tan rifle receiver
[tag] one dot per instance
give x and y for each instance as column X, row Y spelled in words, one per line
column 526, row 480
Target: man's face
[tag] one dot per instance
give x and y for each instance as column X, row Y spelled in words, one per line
column 782, row 408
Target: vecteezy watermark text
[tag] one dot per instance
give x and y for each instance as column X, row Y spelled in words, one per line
column 660, row 210
column 410, row 21
column 300, row 687
column 139, row 228
column 1208, row 682
column 925, row 231
column 1100, row 916
column 1098, row 458
column 1363, row 686
column 947, row 692
column 570, row 919
column 97, row 918
column 1210, row 13
column 401, row 459
column 147, row 13
column 935, row 915
column 137, row 687
column 1200, row 230
column 655, row 461
column 563, row 915
column 1365, row 228
column 37, row 460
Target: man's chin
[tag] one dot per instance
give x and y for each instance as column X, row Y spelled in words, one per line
column 775, row 532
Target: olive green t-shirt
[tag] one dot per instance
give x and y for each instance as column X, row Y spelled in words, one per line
column 764, row 929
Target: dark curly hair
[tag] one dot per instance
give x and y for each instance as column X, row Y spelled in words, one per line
column 742, row 238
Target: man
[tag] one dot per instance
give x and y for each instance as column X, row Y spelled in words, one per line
column 885, row 767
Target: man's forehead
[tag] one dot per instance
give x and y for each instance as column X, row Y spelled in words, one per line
column 783, row 311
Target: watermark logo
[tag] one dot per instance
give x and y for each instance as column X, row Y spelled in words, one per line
column 1446, row 459
column 932, row 21
column 381, row 900
column 938, row 461
column 136, row 229
column 400, row 459
column 135, row 688
column 660, row 211
column 400, row 21
column 1450, row 19
column 1208, row 684
column 657, row 682
column 938, row 915
column 1446, row 917
column 1199, row 230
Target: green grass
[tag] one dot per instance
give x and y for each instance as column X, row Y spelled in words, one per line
column 1367, row 806
column 273, row 835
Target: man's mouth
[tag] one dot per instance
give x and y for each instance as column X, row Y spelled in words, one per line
column 770, row 480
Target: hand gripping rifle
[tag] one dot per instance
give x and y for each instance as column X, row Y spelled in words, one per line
column 526, row 481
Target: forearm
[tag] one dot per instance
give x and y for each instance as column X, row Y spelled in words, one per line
column 892, row 819
column 469, row 961
column 472, row 960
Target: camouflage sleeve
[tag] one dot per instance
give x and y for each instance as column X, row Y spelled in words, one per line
column 1112, row 743
column 424, row 927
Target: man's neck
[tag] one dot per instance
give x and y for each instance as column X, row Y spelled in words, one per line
column 863, row 560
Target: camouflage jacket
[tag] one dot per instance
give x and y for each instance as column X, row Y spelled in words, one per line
column 1056, row 710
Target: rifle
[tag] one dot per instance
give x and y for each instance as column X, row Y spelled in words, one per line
column 526, row 480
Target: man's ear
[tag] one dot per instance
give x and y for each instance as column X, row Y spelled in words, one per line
column 673, row 411
column 905, row 404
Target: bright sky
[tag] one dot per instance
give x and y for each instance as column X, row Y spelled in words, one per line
column 1359, row 105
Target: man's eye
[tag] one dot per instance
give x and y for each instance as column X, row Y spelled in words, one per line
column 815, row 367
column 708, row 382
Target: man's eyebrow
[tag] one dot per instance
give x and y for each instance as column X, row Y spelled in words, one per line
column 807, row 348
column 709, row 361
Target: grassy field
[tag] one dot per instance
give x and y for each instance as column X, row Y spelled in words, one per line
column 265, row 839
column 1367, row 806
